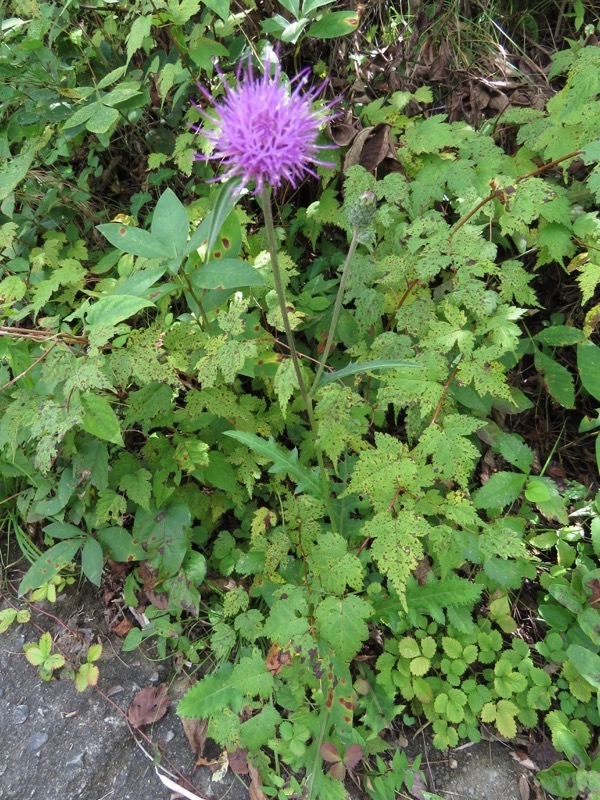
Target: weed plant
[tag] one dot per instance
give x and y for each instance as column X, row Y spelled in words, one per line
column 281, row 410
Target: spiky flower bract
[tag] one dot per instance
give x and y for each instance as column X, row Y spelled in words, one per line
column 265, row 130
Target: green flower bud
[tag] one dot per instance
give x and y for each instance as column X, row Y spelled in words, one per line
column 361, row 213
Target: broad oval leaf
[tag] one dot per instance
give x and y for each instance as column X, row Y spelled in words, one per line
column 112, row 309
column 226, row 273
column 49, row 564
column 334, row 24
column 588, row 363
column 170, row 223
column 586, row 663
column 102, row 119
column 119, row 545
column 100, row 420
column 92, row 561
column 132, row 240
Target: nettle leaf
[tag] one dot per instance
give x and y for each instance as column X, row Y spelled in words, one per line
column 288, row 615
column 397, row 547
column 260, row 729
column 334, row 566
column 343, row 420
column 452, row 454
column 211, row 695
column 379, row 472
column 341, row 622
column 499, row 490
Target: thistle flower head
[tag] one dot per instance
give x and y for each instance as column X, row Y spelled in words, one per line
column 265, row 130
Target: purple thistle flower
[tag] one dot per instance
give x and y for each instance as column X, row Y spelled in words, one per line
column 265, row 130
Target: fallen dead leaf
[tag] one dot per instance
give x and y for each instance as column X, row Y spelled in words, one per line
column 195, row 730
column 122, row 628
column 524, row 788
column 256, row 792
column 149, row 705
column 238, row 763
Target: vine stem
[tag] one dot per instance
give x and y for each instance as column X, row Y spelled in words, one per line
column 280, row 291
column 336, row 308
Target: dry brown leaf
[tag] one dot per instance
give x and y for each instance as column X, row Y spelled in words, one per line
column 149, row 705
column 341, row 133
column 524, row 788
column 256, row 792
column 122, row 628
column 195, row 730
column 277, row 658
column 238, row 762
column 418, row 786
column 370, row 147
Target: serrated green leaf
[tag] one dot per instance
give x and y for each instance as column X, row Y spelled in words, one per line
column 409, row 647
column 499, row 490
column 341, row 622
column 420, row 666
column 211, row 695
column 259, row 729
column 506, row 711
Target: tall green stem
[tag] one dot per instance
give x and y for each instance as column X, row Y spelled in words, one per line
column 336, row 309
column 280, row 291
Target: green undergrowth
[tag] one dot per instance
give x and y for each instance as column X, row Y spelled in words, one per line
column 150, row 413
